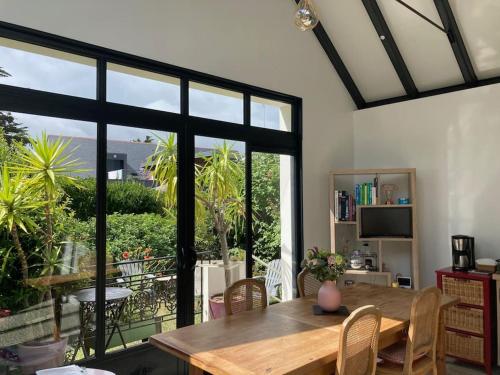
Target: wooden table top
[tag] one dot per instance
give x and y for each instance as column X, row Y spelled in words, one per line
column 285, row 337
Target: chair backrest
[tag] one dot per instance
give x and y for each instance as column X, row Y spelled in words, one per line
column 273, row 277
column 244, row 295
column 307, row 284
column 131, row 268
column 423, row 331
column 359, row 342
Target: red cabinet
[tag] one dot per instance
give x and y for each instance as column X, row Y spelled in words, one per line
column 469, row 325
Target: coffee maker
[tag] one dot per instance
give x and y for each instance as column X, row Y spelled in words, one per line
column 462, row 252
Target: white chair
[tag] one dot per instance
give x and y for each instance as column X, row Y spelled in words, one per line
column 135, row 268
column 273, row 279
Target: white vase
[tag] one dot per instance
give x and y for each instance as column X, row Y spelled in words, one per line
column 329, row 296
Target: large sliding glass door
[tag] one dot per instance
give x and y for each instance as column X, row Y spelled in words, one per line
column 175, row 184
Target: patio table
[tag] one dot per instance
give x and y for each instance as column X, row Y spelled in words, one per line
column 287, row 338
column 115, row 301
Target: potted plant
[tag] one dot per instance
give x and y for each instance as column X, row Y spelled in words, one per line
column 30, row 189
column 326, row 267
column 219, row 194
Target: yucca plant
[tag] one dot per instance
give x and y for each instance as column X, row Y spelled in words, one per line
column 48, row 163
column 162, row 165
column 219, row 181
column 17, row 203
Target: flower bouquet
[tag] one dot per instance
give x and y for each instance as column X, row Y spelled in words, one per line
column 326, row 267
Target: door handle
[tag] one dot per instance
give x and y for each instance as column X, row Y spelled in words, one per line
column 193, row 258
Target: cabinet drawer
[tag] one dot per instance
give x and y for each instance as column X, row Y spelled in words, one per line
column 465, row 346
column 464, row 319
column 468, row 291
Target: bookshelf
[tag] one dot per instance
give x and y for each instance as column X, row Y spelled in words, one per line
column 401, row 254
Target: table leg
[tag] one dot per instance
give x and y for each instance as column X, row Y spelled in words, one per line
column 193, row 370
column 440, row 349
column 115, row 321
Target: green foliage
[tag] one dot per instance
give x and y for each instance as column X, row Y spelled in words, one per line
column 323, row 264
column 129, row 197
column 48, row 163
column 127, row 232
column 266, row 206
column 162, row 165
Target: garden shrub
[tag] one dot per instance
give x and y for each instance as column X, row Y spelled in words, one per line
column 129, row 197
column 126, row 232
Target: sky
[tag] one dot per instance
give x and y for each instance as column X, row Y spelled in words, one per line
column 42, row 72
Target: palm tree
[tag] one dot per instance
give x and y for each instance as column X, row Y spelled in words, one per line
column 219, row 181
column 17, row 202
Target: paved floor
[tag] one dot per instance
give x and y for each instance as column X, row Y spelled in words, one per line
column 462, row 369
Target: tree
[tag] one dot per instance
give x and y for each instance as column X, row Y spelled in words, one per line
column 219, row 181
column 17, row 202
column 48, row 165
column 13, row 131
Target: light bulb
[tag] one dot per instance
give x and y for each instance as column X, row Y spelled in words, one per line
column 306, row 17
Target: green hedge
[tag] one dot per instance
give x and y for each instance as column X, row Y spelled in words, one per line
column 129, row 197
column 125, row 232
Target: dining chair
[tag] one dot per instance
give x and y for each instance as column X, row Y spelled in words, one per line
column 359, row 342
column 416, row 355
column 245, row 295
column 307, row 284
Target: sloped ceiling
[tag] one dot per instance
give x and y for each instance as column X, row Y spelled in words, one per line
column 428, row 54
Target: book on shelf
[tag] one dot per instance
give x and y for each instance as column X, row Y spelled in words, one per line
column 345, row 206
column 367, row 193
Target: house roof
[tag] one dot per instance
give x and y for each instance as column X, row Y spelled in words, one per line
column 137, row 153
column 392, row 50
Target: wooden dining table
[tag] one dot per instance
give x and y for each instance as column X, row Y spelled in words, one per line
column 287, row 338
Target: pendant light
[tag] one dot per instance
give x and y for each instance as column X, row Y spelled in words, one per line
column 306, row 17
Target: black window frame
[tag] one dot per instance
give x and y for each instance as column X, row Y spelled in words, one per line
column 103, row 113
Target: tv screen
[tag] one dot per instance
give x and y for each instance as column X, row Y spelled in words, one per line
column 386, row 222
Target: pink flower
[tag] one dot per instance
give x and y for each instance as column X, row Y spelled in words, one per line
column 331, row 260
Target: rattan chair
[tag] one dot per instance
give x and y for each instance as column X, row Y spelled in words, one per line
column 417, row 354
column 245, row 295
column 359, row 342
column 307, row 284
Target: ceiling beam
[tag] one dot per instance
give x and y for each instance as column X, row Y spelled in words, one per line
column 456, row 41
column 434, row 92
column 338, row 64
column 385, row 35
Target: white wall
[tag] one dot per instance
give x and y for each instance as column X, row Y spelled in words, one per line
column 453, row 141
column 248, row 41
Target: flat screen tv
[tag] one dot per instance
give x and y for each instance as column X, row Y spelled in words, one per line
column 395, row 222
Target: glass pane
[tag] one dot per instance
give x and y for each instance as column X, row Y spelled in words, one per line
column 271, row 114
column 141, row 88
column 215, row 103
column 272, row 205
column 47, row 252
column 141, row 234
column 220, row 222
column 33, row 67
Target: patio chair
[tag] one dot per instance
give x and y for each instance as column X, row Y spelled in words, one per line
column 245, row 295
column 359, row 342
column 273, row 279
column 135, row 268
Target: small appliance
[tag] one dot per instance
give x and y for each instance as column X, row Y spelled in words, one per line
column 462, row 252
